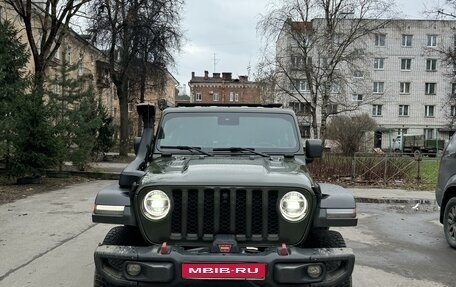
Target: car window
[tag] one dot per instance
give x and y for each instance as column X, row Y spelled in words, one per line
column 220, row 130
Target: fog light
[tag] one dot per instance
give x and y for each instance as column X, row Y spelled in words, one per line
column 133, row 269
column 314, row 271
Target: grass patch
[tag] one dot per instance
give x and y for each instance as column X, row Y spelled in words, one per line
column 377, row 170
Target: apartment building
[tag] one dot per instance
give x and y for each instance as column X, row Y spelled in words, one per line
column 402, row 78
column 223, row 89
column 93, row 66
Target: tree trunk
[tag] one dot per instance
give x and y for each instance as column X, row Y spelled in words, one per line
column 122, row 93
column 142, row 94
column 40, row 74
column 323, row 126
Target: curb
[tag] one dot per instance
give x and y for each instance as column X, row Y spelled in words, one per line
column 395, row 200
column 96, row 175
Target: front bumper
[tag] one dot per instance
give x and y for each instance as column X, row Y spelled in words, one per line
column 165, row 269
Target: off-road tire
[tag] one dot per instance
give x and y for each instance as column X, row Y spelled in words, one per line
column 449, row 222
column 119, row 235
column 330, row 239
column 99, row 281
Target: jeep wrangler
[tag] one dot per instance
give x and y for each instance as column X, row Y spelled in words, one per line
column 222, row 196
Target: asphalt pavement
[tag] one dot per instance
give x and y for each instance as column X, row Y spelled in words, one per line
column 48, row 240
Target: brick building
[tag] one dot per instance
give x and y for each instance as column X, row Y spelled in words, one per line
column 223, row 89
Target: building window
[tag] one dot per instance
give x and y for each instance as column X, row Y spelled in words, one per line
column 305, row 131
column 430, row 88
column 231, row 96
column 429, row 134
column 405, row 88
column 357, row 98
column 332, row 109
column 80, row 69
column 335, row 88
column 215, row 97
column 57, row 86
column 431, row 65
column 379, row 87
column 407, row 40
column 453, row 110
column 406, row 64
column 377, row 110
column 380, row 40
column 300, row 108
column 299, row 85
column 299, row 62
column 403, row 110
column 236, row 97
column 358, row 74
column 379, row 63
column 453, row 89
column 431, row 40
column 429, row 111
column 68, row 55
column 198, row 97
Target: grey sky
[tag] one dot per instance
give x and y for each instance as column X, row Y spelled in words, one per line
column 228, row 29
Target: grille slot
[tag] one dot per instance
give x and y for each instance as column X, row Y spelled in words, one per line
column 249, row 214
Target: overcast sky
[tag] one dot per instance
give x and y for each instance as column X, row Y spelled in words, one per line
column 227, row 28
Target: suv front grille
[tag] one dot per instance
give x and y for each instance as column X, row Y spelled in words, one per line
column 250, row 214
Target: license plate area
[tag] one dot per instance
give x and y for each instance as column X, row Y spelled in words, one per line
column 224, row 271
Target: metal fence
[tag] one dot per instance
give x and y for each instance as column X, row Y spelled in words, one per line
column 377, row 168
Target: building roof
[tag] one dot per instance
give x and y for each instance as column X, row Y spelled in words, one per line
column 219, row 78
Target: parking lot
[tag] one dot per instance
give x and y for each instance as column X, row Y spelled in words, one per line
column 48, row 240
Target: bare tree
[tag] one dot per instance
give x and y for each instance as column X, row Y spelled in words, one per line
column 350, row 132
column 46, row 24
column 319, row 45
column 136, row 34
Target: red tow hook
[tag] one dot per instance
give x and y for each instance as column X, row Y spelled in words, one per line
column 283, row 251
column 164, row 249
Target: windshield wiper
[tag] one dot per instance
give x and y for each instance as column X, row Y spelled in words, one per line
column 241, row 149
column 185, row 147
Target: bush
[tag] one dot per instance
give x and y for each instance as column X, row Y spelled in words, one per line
column 349, row 131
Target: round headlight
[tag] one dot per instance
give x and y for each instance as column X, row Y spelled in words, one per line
column 293, row 206
column 156, row 205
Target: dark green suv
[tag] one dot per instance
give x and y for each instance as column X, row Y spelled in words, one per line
column 446, row 191
column 221, row 196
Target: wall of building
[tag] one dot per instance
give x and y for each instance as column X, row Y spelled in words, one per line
column 223, row 89
column 392, row 52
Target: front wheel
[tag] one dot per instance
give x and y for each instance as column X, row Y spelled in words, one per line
column 449, row 222
column 330, row 239
column 99, row 281
column 119, row 235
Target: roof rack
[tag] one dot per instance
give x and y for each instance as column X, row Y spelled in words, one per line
column 273, row 105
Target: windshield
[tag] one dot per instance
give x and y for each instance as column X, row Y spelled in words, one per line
column 260, row 131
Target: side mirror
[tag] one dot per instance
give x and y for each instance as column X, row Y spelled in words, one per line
column 136, row 143
column 314, row 149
